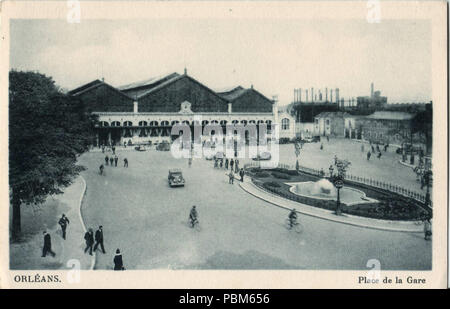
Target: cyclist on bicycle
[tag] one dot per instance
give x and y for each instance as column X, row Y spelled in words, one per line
column 101, row 169
column 193, row 215
column 292, row 217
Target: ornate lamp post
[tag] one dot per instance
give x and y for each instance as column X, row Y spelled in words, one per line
column 338, row 180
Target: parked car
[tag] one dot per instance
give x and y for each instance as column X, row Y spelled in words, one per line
column 219, row 155
column 140, row 148
column 175, row 178
column 262, row 156
column 163, row 146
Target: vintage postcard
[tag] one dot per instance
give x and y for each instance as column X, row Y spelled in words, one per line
column 238, row 144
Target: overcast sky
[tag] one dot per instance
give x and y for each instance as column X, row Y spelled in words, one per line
column 275, row 56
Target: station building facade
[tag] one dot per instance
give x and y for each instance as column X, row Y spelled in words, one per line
column 146, row 111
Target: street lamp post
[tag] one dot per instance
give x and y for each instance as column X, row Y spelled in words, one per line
column 338, row 180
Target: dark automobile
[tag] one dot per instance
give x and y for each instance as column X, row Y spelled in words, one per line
column 140, row 148
column 175, row 178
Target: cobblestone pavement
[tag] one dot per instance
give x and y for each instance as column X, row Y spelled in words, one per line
column 147, row 220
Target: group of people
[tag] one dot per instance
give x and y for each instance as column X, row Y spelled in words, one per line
column 113, row 162
column 374, row 149
column 93, row 242
column 47, row 249
column 225, row 163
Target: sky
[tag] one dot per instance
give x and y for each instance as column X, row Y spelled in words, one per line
column 273, row 55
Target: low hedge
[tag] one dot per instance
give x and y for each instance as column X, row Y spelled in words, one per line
column 280, row 175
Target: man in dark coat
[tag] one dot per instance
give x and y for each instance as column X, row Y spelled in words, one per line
column 99, row 239
column 226, row 163
column 63, row 221
column 47, row 245
column 89, row 237
column 118, row 262
column 368, row 155
column 116, row 159
column 106, row 160
column 125, row 162
column 231, row 164
column 236, row 164
column 113, row 149
column 242, row 173
column 111, row 160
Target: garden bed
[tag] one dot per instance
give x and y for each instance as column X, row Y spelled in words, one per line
column 391, row 206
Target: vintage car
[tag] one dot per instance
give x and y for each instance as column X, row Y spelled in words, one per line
column 163, row 146
column 175, row 178
column 262, row 156
column 219, row 155
column 140, row 148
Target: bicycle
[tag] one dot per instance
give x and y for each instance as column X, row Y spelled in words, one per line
column 194, row 224
column 296, row 226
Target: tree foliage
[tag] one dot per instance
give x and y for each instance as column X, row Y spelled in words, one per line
column 47, row 131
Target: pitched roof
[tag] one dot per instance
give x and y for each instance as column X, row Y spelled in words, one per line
column 231, row 94
column 388, row 115
column 92, row 85
column 141, row 88
column 333, row 115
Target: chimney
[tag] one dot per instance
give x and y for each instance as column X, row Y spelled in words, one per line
column 312, row 94
column 337, row 95
column 326, row 94
column 306, row 95
column 300, row 94
column 371, row 90
column 185, row 71
column 331, row 95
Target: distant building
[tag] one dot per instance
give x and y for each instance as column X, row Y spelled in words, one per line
column 330, row 124
column 287, row 128
column 371, row 103
column 387, row 127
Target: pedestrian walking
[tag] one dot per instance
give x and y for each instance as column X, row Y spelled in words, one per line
column 373, row 149
column 321, row 146
column 89, row 238
column 242, row 173
column 231, row 177
column 368, row 155
column 63, row 222
column 231, row 164
column 379, row 155
column 221, row 163
column 101, row 168
column 99, row 239
column 226, row 163
column 118, row 261
column 106, row 160
column 111, row 160
column 113, row 150
column 125, row 162
column 47, row 245
column 190, row 162
column 216, row 163
column 116, row 159
column 328, row 138
column 236, row 165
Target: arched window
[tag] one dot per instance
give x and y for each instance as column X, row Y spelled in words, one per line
column 205, row 122
column 142, row 123
column 153, row 123
column 285, row 124
column 175, row 122
column 164, row 123
column 223, row 122
column 104, row 124
column 115, row 124
column 127, row 124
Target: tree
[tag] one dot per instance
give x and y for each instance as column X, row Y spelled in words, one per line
column 47, row 131
column 422, row 124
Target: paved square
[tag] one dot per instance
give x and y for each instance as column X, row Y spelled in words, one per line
column 147, row 220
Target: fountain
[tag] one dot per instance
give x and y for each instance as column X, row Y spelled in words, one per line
column 325, row 190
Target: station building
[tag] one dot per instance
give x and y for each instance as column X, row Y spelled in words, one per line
column 146, row 111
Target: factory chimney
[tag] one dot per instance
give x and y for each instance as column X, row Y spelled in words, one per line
column 371, row 90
